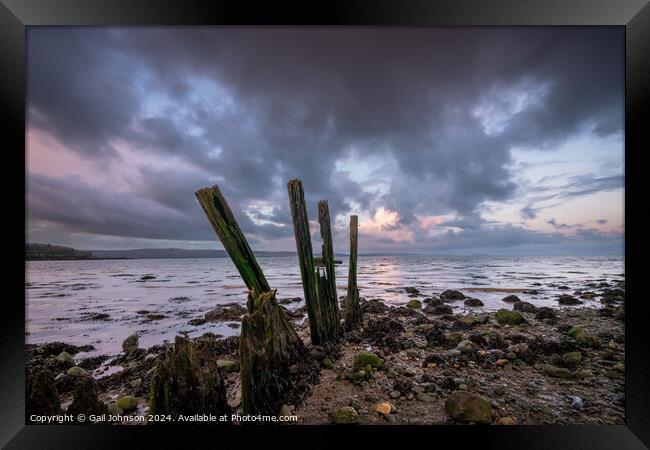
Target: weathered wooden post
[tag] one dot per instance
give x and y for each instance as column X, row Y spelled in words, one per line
column 352, row 307
column 323, row 317
column 275, row 365
column 328, row 299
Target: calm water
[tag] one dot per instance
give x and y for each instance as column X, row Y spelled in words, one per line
column 62, row 294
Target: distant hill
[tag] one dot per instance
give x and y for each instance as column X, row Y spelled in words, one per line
column 34, row 252
column 55, row 252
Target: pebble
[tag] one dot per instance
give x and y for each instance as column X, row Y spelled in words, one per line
column 576, row 402
column 423, row 397
column 395, row 394
column 384, row 408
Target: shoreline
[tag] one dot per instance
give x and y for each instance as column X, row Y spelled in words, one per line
column 537, row 371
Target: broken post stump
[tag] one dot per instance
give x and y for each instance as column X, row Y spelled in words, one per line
column 352, row 307
column 316, row 287
column 187, row 381
column 275, row 367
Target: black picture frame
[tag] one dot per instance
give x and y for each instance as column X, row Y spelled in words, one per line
column 16, row 15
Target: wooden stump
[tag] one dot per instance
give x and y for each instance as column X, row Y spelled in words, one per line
column 328, row 300
column 352, row 307
column 275, row 366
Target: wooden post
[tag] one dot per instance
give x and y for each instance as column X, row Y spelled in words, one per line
column 352, row 307
column 275, row 366
column 220, row 216
column 328, row 299
column 305, row 257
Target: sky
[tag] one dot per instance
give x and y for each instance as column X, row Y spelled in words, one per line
column 504, row 141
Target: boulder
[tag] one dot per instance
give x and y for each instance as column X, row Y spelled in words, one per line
column 411, row 290
column 504, row 316
column 557, row 372
column 451, row 295
column 346, row 415
column 572, row 359
column 364, row 359
column 545, row 313
column 438, row 310
column 77, row 372
column 66, row 358
column 524, row 307
column 468, row 407
column 130, row 343
column 511, row 299
column 565, row 299
column 473, row 302
column 415, row 304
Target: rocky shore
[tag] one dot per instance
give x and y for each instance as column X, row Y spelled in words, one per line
column 413, row 364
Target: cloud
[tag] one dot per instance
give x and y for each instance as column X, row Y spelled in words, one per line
column 252, row 108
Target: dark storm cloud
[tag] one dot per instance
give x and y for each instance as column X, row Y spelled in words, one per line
column 292, row 102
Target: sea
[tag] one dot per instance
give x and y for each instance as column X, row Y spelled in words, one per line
column 64, row 298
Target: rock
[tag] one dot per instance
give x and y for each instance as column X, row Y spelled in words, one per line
column 466, row 347
column 576, row 402
column 438, row 310
column 451, row 295
column 373, row 306
column 285, row 411
column 225, row 313
column 505, row 316
column 454, row 337
column 424, row 397
column 85, row 399
column 620, row 367
column 565, row 299
column 468, row 321
column 411, row 290
column 502, row 362
column 575, row 331
column 531, row 292
column 327, row 363
column 524, row 307
column 147, row 277
column 130, row 343
column 395, row 394
column 511, row 299
column 115, row 410
column 226, row 365
column 433, row 301
column 588, row 340
column 415, row 304
column 41, row 395
column 384, row 408
column 346, row 415
column 572, row 358
column 468, row 407
column 557, row 372
column 364, row 359
column 127, row 403
column 619, row 398
column 507, row 420
column 317, row 354
column 64, row 357
column 473, row 302
column 77, row 372
column 545, row 313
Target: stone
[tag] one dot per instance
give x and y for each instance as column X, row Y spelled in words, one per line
column 130, row 343
column 384, row 408
column 77, row 372
column 545, row 313
column 507, row 420
column 226, row 365
column 572, row 358
column 424, row 397
column 127, row 403
column 504, row 316
column 466, row 406
column 451, row 295
column 565, row 299
column 364, row 359
column 66, row 358
column 473, row 302
column 575, row 331
column 395, row 394
column 327, row 363
column 524, row 307
column 576, row 402
column 454, row 337
column 502, row 362
column 415, row 304
column 557, row 372
column 511, row 299
column 588, row 340
column 466, row 346
column 285, row 411
column 346, row 415
column 411, row 290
